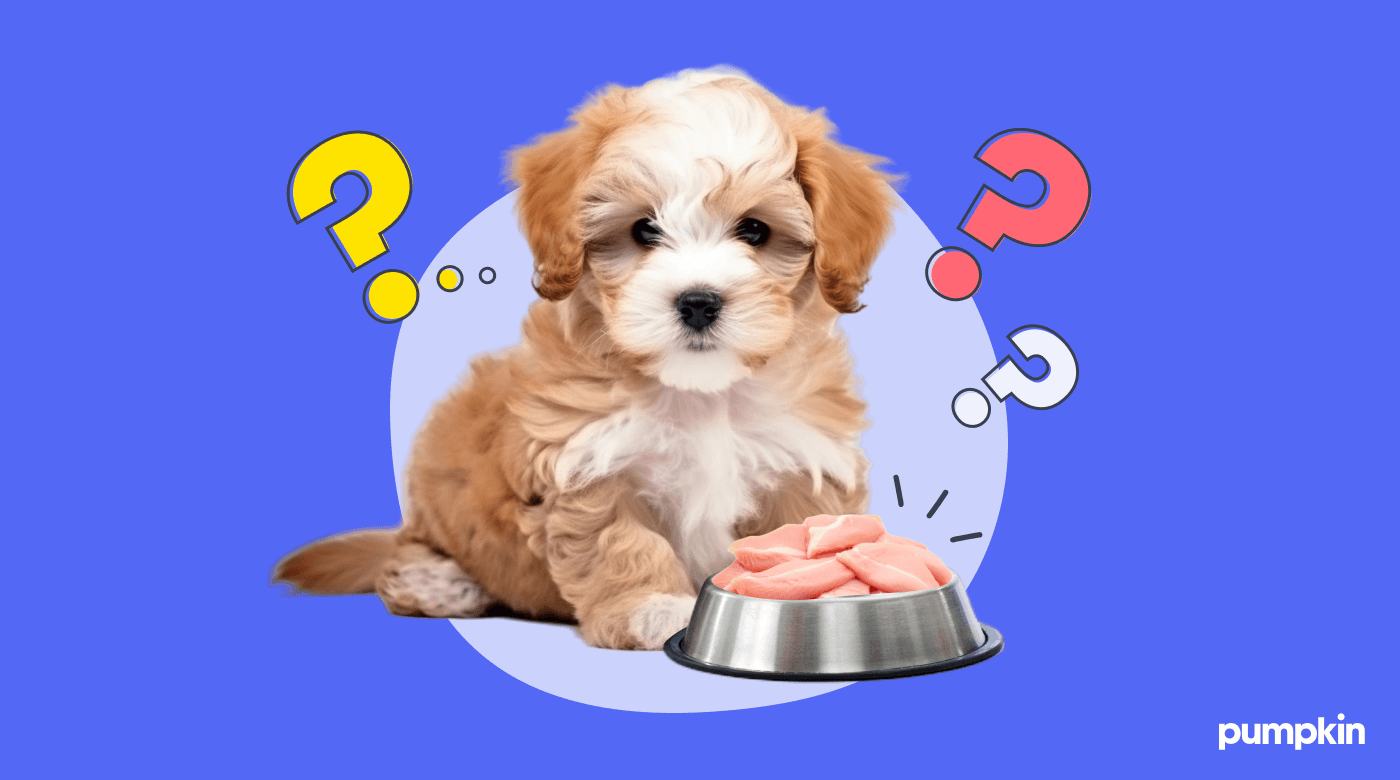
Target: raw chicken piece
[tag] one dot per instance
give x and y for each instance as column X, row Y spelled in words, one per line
column 840, row 533
column 853, row 588
column 758, row 553
column 936, row 566
column 893, row 568
column 892, row 539
column 793, row 580
column 723, row 578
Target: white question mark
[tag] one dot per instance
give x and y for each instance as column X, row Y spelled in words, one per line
column 1007, row 380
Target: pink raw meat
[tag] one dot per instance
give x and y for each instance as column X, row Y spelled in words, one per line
column 793, row 580
column 841, row 533
column 936, row 566
column 722, row 579
column 893, row 568
column 853, row 588
column 892, row 539
column 759, row 553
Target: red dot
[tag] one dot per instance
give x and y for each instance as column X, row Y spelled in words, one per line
column 954, row 274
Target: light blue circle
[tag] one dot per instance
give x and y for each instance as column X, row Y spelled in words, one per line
column 971, row 407
column 914, row 349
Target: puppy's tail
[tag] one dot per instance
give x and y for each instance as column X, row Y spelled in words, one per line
column 337, row 565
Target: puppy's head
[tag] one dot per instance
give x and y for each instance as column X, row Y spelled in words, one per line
column 700, row 215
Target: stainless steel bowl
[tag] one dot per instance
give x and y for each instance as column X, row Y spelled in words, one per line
column 847, row 638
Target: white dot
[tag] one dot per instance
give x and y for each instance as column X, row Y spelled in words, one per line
column 971, row 407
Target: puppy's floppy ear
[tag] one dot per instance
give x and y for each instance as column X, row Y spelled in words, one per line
column 851, row 205
column 549, row 172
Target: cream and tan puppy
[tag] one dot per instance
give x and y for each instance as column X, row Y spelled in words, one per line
column 680, row 385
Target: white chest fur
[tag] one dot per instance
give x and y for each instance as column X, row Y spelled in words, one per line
column 701, row 460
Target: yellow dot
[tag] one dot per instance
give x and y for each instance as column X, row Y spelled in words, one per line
column 391, row 296
column 449, row 279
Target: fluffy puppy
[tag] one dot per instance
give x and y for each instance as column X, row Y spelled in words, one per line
column 680, row 384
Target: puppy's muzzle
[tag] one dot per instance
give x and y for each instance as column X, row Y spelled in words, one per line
column 699, row 308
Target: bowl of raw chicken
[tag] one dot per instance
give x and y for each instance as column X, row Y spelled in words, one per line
column 835, row 597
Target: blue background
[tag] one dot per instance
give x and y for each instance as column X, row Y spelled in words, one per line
column 1204, row 532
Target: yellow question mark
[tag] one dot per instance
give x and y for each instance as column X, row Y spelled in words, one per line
column 391, row 295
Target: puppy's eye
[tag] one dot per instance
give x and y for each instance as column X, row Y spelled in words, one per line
column 753, row 232
column 646, row 233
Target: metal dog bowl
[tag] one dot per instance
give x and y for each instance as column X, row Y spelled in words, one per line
column 846, row 638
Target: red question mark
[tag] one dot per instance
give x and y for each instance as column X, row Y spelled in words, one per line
column 1049, row 220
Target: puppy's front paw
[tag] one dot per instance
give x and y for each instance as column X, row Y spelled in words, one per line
column 658, row 618
column 642, row 622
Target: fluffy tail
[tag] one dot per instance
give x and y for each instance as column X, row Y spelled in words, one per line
column 337, row 565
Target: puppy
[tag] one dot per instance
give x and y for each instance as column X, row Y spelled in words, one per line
column 681, row 383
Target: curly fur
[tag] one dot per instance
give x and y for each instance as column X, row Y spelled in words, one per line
column 597, row 471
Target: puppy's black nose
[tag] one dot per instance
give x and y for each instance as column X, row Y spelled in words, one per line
column 698, row 308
